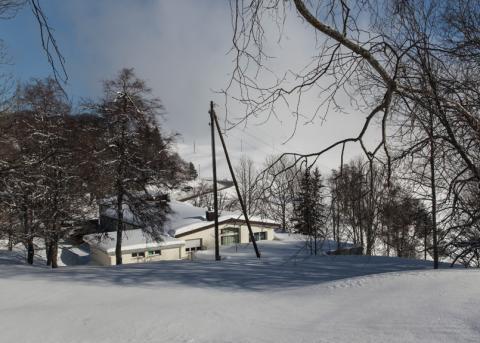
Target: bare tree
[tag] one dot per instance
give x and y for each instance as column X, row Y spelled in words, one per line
column 403, row 221
column 250, row 188
column 43, row 189
column 19, row 192
column 203, row 197
column 278, row 198
column 9, row 9
column 135, row 156
column 409, row 57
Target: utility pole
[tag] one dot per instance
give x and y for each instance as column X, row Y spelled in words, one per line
column 433, row 189
column 214, row 167
column 245, row 214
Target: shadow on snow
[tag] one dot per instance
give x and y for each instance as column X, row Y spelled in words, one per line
column 240, row 271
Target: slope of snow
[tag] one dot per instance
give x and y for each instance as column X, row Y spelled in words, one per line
column 286, row 296
column 191, row 188
column 68, row 254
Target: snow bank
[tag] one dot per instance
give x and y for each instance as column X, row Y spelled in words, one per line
column 287, row 296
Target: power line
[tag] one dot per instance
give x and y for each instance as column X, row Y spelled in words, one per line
column 251, row 135
column 254, row 147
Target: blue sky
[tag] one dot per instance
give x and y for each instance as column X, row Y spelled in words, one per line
column 22, row 39
column 97, row 38
column 181, row 49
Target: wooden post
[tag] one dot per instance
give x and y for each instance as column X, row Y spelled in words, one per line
column 245, row 214
column 214, row 170
column 433, row 192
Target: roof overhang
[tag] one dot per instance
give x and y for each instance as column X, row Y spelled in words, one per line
column 233, row 221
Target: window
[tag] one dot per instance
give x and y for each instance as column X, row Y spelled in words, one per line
column 192, row 249
column 230, row 235
column 154, row 252
column 229, row 230
column 138, row 254
column 230, row 240
column 260, row 236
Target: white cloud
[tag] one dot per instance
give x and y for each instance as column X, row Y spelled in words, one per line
column 180, row 48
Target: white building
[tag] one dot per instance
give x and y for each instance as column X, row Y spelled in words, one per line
column 187, row 230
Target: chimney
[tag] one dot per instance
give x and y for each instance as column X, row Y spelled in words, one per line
column 210, row 215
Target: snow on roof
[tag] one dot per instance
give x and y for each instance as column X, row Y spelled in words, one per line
column 186, row 217
column 132, row 240
column 223, row 217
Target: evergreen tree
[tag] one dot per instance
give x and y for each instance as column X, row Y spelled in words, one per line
column 310, row 211
column 192, row 172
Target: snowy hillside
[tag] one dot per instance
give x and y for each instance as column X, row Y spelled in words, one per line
column 193, row 188
column 286, row 296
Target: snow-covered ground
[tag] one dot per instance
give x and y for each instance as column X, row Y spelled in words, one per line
column 286, row 296
column 68, row 254
column 189, row 189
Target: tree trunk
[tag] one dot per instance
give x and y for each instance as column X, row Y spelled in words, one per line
column 10, row 241
column 388, row 241
column 339, row 244
column 30, row 251
column 334, row 221
column 360, row 225
column 10, row 234
column 371, row 213
column 28, row 236
column 118, row 246
column 434, row 195
column 48, row 251
column 425, row 243
column 54, row 252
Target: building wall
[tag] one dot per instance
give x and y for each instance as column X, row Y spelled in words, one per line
column 208, row 235
column 168, row 254
column 176, row 253
column 244, row 236
column 100, row 257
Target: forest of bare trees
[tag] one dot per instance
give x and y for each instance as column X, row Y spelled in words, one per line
column 411, row 68
column 57, row 165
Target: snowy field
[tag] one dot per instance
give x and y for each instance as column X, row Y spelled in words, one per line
column 286, row 296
